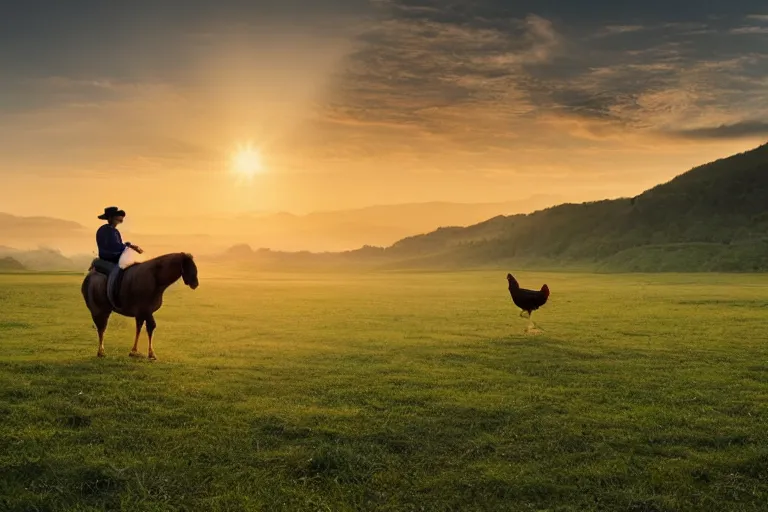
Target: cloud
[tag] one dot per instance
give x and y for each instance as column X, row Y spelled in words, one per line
column 656, row 82
column 689, row 28
column 435, row 68
column 750, row 30
column 622, row 29
column 440, row 74
column 452, row 86
column 479, row 75
column 743, row 129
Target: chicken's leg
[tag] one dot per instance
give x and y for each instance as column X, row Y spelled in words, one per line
column 532, row 327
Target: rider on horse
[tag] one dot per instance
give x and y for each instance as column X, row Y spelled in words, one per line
column 144, row 284
column 111, row 247
column 108, row 238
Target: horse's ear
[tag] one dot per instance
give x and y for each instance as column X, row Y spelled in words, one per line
column 188, row 256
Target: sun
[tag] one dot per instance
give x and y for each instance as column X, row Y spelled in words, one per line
column 246, row 162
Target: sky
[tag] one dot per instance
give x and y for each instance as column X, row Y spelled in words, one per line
column 349, row 103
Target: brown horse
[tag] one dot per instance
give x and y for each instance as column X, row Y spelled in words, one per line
column 140, row 295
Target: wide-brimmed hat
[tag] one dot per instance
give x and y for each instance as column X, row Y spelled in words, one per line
column 111, row 211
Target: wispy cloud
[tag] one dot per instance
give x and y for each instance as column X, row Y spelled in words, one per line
column 623, row 29
column 428, row 69
column 727, row 131
column 431, row 65
column 750, row 30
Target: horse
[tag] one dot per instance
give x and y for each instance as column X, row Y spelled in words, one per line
column 140, row 294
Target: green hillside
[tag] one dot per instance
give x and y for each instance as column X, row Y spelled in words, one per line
column 712, row 218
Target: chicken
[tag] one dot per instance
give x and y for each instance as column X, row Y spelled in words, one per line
column 527, row 300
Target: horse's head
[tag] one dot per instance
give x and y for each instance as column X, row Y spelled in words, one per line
column 189, row 271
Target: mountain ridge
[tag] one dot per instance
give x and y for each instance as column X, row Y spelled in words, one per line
column 713, row 217
column 721, row 202
column 336, row 230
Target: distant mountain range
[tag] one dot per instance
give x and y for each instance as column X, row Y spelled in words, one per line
column 711, row 218
column 12, row 226
column 33, row 232
column 42, row 259
column 320, row 231
column 334, row 230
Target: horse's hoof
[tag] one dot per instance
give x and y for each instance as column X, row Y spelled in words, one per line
column 101, row 354
column 152, row 357
column 135, row 353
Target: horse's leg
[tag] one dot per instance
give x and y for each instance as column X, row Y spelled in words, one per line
column 151, row 324
column 135, row 350
column 101, row 321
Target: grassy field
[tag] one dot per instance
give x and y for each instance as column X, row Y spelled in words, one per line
column 392, row 392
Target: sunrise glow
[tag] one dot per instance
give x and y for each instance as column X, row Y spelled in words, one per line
column 246, row 162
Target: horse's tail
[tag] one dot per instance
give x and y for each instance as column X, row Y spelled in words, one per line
column 84, row 287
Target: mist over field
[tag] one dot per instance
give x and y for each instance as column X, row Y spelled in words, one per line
column 317, row 232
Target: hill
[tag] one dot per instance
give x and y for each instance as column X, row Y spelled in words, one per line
column 43, row 259
column 711, row 218
column 8, row 264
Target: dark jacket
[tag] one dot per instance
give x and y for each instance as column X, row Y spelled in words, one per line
column 110, row 243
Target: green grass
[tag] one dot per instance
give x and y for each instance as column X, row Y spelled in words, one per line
column 391, row 392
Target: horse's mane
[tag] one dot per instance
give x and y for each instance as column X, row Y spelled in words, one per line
column 163, row 265
column 164, row 257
